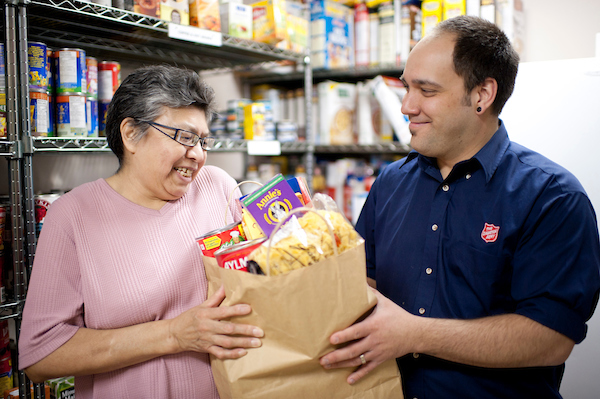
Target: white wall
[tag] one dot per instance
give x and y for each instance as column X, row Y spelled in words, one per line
column 559, row 29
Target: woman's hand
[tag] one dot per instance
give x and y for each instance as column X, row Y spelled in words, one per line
column 203, row 329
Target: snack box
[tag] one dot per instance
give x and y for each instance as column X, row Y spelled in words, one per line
column 236, row 256
column 454, row 8
column 236, row 20
column 337, row 104
column 271, row 202
column 330, row 34
column 204, row 14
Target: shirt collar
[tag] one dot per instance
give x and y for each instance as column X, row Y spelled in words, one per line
column 489, row 156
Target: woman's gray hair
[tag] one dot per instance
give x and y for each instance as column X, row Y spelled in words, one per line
column 145, row 93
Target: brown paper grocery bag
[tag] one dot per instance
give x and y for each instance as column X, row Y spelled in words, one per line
column 298, row 312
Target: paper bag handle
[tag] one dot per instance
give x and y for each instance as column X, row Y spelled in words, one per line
column 231, row 195
column 282, row 222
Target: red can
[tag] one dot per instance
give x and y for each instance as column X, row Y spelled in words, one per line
column 236, row 257
column 225, row 237
column 109, row 79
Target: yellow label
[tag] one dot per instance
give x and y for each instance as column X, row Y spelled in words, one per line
column 212, row 243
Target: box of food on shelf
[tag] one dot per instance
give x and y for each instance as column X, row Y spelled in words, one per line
column 204, row 14
column 236, row 20
column 337, row 104
column 269, row 22
column 176, row 11
column 330, row 37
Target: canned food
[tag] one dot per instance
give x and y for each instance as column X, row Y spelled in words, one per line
column 92, row 76
column 107, row 3
column 39, row 112
column 70, row 115
column 38, row 65
column 50, row 69
column 42, row 203
column 2, row 69
column 221, row 238
column 69, row 65
column 109, row 79
column 2, row 115
column 102, row 111
column 91, row 108
column 51, row 114
column 236, row 257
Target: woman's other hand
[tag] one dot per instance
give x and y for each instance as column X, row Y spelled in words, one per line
column 205, row 328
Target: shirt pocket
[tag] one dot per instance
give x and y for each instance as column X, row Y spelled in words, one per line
column 475, row 283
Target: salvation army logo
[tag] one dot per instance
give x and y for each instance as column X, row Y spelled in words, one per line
column 490, row 232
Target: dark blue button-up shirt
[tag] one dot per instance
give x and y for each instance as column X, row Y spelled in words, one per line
column 507, row 231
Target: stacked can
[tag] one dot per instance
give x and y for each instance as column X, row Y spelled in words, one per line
column 91, row 99
column 71, row 84
column 235, row 118
column 2, row 92
column 39, row 100
column 109, row 79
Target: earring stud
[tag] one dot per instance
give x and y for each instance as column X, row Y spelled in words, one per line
column 478, row 109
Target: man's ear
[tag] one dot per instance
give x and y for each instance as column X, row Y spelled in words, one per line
column 486, row 94
column 128, row 135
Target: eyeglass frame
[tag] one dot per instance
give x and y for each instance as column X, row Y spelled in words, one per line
column 197, row 138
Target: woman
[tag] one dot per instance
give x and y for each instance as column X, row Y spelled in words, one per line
column 118, row 293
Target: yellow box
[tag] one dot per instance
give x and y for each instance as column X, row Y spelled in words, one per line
column 454, row 8
column 205, row 14
column 268, row 21
column 254, row 121
column 431, row 14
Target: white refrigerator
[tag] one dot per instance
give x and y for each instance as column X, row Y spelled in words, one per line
column 555, row 110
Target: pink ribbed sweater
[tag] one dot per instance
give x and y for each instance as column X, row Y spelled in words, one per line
column 104, row 262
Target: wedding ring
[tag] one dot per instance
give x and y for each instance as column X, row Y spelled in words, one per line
column 363, row 360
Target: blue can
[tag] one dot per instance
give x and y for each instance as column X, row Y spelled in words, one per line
column 38, row 65
column 91, row 107
column 70, row 69
column 102, row 110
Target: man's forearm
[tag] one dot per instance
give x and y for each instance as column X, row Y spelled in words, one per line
column 499, row 341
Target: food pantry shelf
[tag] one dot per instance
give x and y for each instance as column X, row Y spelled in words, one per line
column 113, row 32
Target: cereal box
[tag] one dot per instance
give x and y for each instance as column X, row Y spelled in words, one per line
column 337, row 104
column 204, row 14
column 269, row 22
column 330, row 37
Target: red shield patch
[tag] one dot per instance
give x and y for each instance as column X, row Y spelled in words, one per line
column 490, row 232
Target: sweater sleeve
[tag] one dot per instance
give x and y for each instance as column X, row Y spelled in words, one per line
column 53, row 310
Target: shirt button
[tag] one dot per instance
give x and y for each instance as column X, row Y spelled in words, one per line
column 416, row 355
column 467, row 176
column 421, row 310
column 445, row 187
column 429, row 270
column 434, row 227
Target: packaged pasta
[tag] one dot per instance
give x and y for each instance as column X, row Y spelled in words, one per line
column 306, row 240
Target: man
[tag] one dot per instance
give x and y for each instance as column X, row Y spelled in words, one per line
column 488, row 252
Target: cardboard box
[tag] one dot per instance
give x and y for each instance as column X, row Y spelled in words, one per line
column 387, row 34
column 176, row 11
column 337, row 105
column 269, row 21
column 204, row 14
column 432, row 14
column 236, row 20
column 150, row 8
column 454, row 8
column 330, row 37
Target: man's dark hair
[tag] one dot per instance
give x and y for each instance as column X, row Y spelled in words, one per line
column 482, row 51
